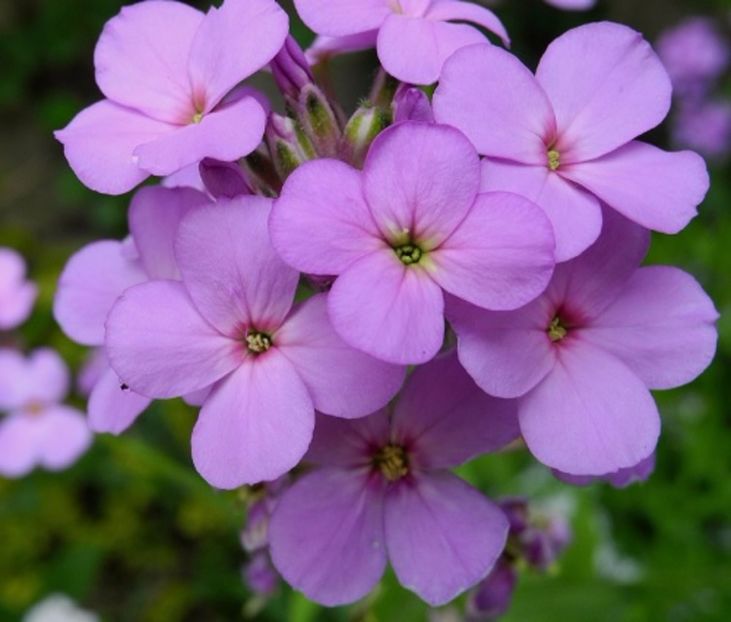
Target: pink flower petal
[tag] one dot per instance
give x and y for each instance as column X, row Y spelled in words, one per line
column 100, row 142
column 18, row 445
column 607, row 86
column 48, row 379
column 414, row 49
column 321, row 223
column 591, row 415
column 443, row 536
column 501, row 255
column 161, row 347
column 655, row 188
column 619, row 479
column 388, row 310
column 662, row 326
column 92, row 281
column 574, row 213
column 111, row 408
column 495, row 100
column 506, row 353
column 323, row 47
column 141, row 59
column 64, row 437
column 348, row 442
column 13, row 375
column 445, row 419
column 572, row 5
column 326, row 536
column 154, row 216
column 342, row 381
column 346, row 17
column 256, row 424
column 17, row 305
column 230, row 269
column 234, row 42
column 420, row 180
column 227, row 133
column 469, row 12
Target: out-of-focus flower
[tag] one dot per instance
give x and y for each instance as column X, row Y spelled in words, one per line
column 572, row 5
column 695, row 55
column 493, row 595
column 58, row 608
column 17, row 294
column 382, row 492
column 39, row 430
column 565, row 137
column 169, row 72
column 230, row 323
column 406, row 229
column 584, row 355
column 704, row 127
column 414, row 37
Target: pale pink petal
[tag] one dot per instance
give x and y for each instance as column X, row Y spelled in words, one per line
column 575, row 214
column 388, row 310
column 506, row 353
column 92, row 281
column 18, row 445
column 188, row 177
column 591, row 415
column 607, row 86
column 501, row 255
column 342, row 381
column 17, row 305
column 348, row 442
column 227, row 133
column 469, row 12
column 659, row 190
column 12, row 269
column 100, row 142
column 230, row 268
column 161, row 347
column 154, row 216
column 583, row 287
column 420, row 180
column 113, row 408
column 326, row 536
column 223, row 180
column 323, row 47
column 141, row 59
column 442, row 535
column 346, row 17
column 13, row 380
column 662, row 326
column 445, row 419
column 414, row 49
column 234, row 42
column 495, row 100
column 64, row 437
column 255, row 425
column 572, row 5
column 321, row 223
column 48, row 376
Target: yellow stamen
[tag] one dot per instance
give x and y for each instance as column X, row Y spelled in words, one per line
column 393, row 462
column 554, row 159
column 258, row 343
column 556, row 330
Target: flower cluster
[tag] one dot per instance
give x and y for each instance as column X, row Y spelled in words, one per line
column 478, row 244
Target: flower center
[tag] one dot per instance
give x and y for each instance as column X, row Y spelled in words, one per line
column 556, row 330
column 408, row 254
column 258, row 342
column 197, row 117
column 554, row 159
column 392, row 461
column 34, row 408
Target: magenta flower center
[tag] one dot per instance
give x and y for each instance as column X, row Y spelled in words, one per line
column 258, row 342
column 409, row 254
column 557, row 330
column 554, row 159
column 392, row 461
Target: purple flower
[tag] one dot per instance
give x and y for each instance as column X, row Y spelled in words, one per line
column 323, row 47
column 695, row 55
column 584, row 354
column 17, row 295
column 260, row 575
column 565, row 137
column 414, row 37
column 619, row 479
column 39, row 430
column 704, row 126
column 97, row 275
column 230, row 323
column 492, row 597
column 381, row 491
column 411, row 225
column 411, row 104
column 168, row 72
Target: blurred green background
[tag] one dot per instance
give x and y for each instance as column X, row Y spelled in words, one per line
column 134, row 534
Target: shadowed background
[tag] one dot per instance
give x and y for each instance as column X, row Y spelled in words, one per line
column 134, row 534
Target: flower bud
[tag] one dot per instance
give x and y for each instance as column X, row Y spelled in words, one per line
column 362, row 128
column 492, row 597
column 319, row 121
column 411, row 104
column 291, row 70
column 288, row 144
column 223, row 180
